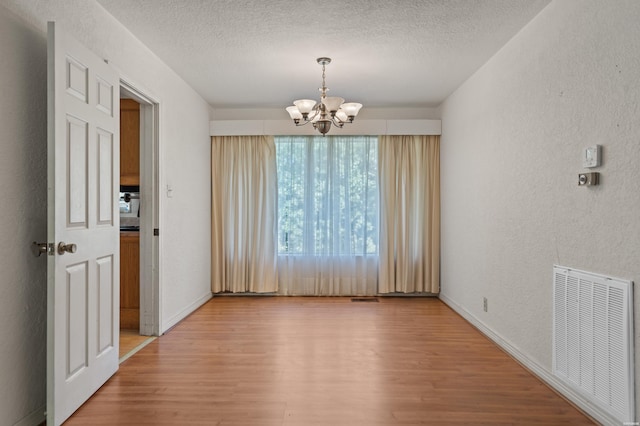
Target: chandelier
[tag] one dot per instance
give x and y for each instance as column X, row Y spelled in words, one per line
column 330, row 110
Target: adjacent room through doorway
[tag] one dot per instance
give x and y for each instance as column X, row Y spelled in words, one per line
column 139, row 280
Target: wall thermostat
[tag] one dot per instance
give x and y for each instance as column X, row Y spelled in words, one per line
column 591, row 156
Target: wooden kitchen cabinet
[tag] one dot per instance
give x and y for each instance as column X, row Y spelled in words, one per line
column 129, row 142
column 129, row 280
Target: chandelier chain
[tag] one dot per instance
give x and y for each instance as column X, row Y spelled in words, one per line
column 324, row 85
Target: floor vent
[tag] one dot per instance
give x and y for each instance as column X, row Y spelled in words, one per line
column 593, row 339
column 364, row 299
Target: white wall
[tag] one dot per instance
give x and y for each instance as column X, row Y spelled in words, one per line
column 184, row 162
column 23, row 209
column 512, row 139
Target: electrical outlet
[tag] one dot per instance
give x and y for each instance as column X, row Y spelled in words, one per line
column 485, row 304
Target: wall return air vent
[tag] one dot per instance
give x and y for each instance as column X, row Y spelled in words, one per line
column 593, row 339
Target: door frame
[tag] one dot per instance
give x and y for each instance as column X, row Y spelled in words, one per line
column 150, row 277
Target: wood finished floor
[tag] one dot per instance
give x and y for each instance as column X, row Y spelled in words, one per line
column 129, row 340
column 324, row 361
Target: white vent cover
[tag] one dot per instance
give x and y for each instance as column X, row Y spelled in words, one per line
column 593, row 339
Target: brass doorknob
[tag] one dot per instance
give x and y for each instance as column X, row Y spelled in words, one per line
column 66, row 248
column 41, row 248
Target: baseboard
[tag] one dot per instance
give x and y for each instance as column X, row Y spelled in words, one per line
column 166, row 325
column 536, row 369
column 37, row 417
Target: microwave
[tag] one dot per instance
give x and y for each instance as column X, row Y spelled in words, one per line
column 129, row 202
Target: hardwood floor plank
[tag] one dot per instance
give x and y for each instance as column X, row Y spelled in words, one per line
column 324, row 361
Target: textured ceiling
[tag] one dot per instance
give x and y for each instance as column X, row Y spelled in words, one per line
column 257, row 54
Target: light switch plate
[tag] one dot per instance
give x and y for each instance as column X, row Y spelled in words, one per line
column 591, row 156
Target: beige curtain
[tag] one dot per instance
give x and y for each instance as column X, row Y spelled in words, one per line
column 409, row 172
column 243, row 220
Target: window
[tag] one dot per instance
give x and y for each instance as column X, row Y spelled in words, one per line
column 327, row 195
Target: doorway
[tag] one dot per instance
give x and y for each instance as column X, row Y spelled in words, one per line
column 139, row 258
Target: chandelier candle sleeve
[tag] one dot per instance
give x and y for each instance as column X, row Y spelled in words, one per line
column 329, row 111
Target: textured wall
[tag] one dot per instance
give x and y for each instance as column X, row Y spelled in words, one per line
column 512, row 140
column 184, row 162
column 23, row 201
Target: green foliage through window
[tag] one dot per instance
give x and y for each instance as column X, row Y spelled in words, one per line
column 327, row 195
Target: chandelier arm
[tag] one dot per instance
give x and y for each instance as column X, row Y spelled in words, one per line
column 310, row 117
column 301, row 123
column 314, row 113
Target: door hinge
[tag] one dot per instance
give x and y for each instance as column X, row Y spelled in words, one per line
column 156, row 232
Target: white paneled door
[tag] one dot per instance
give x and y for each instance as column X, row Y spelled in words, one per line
column 83, row 224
